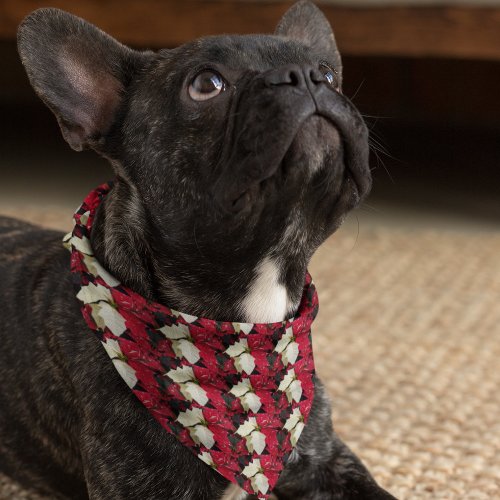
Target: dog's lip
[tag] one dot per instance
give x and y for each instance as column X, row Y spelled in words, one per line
column 338, row 109
column 340, row 113
column 237, row 202
column 355, row 157
column 355, row 153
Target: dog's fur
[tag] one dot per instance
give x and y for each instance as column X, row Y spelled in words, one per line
column 217, row 208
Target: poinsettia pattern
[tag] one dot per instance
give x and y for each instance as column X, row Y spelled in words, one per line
column 246, row 393
column 250, row 430
column 182, row 343
column 243, row 359
column 238, row 395
column 112, row 347
column 195, row 422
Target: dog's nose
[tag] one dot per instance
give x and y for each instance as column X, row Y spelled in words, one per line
column 301, row 77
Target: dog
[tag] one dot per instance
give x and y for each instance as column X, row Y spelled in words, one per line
column 235, row 158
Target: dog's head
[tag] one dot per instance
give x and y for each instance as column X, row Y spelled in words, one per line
column 228, row 150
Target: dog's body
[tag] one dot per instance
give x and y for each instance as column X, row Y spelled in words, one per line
column 226, row 184
column 63, row 430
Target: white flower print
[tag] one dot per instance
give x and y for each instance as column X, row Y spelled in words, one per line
column 243, row 360
column 92, row 293
column 191, row 417
column 67, row 241
column 207, row 458
column 105, row 315
column 196, row 424
column 201, row 434
column 186, row 349
column 188, row 384
column 182, row 343
column 82, row 245
column 175, row 332
column 188, row 317
column 258, row 480
column 95, row 268
column 291, row 386
column 237, row 348
column 84, row 218
column 255, row 440
column 295, row 425
column 245, row 392
column 120, row 361
column 260, row 483
column 182, row 374
column 287, row 347
column 243, row 327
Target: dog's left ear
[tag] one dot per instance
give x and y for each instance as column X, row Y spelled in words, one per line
column 80, row 72
column 306, row 23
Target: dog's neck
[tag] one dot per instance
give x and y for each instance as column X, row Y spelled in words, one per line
column 264, row 290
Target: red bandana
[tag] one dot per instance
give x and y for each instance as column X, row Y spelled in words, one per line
column 236, row 394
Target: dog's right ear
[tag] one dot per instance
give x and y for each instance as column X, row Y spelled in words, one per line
column 304, row 22
column 80, row 72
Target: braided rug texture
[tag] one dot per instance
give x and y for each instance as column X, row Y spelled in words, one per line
column 407, row 341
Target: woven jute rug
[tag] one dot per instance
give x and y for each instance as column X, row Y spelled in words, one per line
column 408, row 343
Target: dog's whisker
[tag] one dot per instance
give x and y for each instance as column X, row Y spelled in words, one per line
column 357, row 90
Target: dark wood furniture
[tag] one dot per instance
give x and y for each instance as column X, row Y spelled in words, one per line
column 441, row 31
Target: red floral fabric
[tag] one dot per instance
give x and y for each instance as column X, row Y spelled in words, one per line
column 236, row 394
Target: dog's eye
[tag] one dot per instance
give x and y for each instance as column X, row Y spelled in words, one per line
column 330, row 75
column 206, row 85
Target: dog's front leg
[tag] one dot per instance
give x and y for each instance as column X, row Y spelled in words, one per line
column 322, row 466
column 127, row 455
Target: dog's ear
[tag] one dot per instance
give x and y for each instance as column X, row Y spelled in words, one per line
column 79, row 71
column 306, row 23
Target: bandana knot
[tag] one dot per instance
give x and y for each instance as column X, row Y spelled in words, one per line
column 238, row 395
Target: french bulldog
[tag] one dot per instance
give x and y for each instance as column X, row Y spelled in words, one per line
column 235, row 158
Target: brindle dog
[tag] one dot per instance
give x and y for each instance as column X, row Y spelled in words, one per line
column 235, row 157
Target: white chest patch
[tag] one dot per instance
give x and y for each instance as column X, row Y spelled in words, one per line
column 267, row 300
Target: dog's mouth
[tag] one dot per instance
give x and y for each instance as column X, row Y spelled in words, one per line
column 314, row 132
column 319, row 147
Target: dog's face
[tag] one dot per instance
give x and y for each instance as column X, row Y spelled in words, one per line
column 262, row 143
column 232, row 147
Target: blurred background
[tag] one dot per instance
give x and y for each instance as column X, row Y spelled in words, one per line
column 409, row 334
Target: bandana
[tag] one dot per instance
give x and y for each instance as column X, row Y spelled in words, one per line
column 237, row 395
